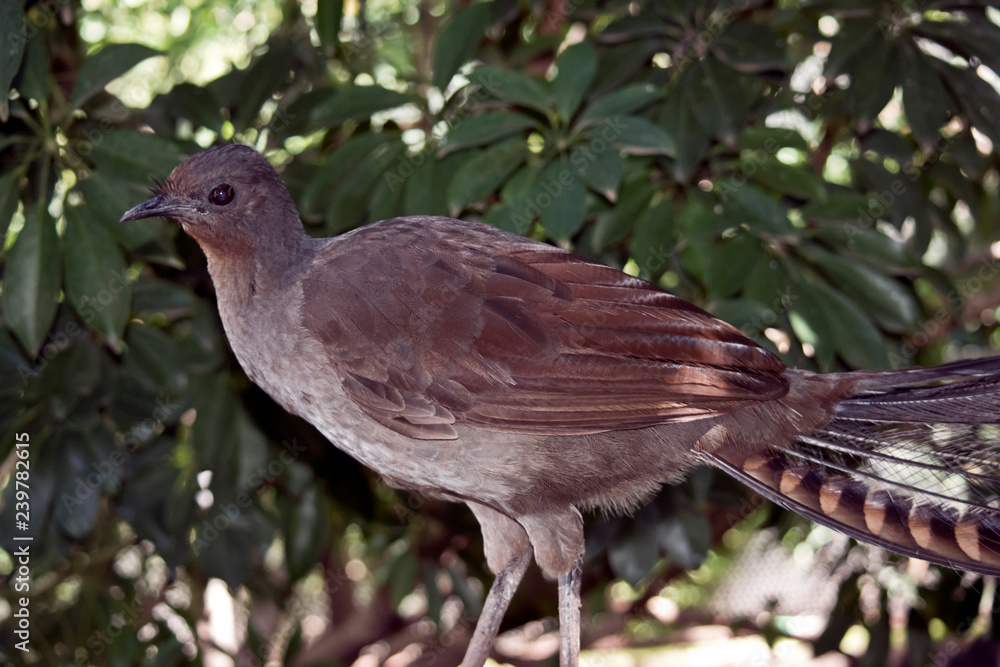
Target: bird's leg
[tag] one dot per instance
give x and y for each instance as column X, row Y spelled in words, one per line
column 569, row 614
column 508, row 554
column 557, row 537
column 494, row 608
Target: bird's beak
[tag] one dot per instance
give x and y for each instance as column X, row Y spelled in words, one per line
column 161, row 206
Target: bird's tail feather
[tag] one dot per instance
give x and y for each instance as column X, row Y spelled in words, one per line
column 910, row 462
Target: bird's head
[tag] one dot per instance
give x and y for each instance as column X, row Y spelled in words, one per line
column 226, row 197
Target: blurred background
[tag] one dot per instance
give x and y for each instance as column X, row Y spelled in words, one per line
column 820, row 174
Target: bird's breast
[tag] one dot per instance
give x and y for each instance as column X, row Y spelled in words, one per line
column 292, row 366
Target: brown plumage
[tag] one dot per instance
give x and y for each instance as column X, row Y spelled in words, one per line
column 480, row 366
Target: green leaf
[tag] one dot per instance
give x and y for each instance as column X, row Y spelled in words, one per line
column 893, row 197
column 811, row 323
column 634, row 135
column 516, row 87
column 972, row 37
column 485, row 129
column 722, row 264
column 699, row 218
column 10, row 194
column 76, row 507
column 105, row 66
column 187, row 102
column 266, row 76
column 858, row 342
column 14, row 370
column 152, row 295
column 767, row 284
column 850, row 44
column 347, row 207
column 214, row 431
column 73, row 374
column 718, row 99
column 168, row 653
column 95, row 276
column 614, row 225
column 752, row 47
column 306, row 529
column 100, row 447
column 844, row 615
column 979, row 100
column 771, row 139
column 354, row 101
column 31, row 280
column 157, row 356
column 225, row 542
column 653, row 239
column 252, row 456
column 622, row 102
column 749, row 316
column 685, row 537
column 633, row 555
column 871, row 244
column 924, row 96
column 107, row 198
column 457, row 42
column 338, row 166
column 402, row 576
column 13, row 27
column 884, row 298
column 601, row 171
column 37, row 80
column 792, row 180
column 135, row 156
column 328, row 16
column 889, row 144
column 680, row 120
column 423, row 194
column 502, row 217
column 576, row 67
column 485, row 172
column 838, row 206
column 520, row 210
column 432, row 590
column 387, row 199
column 874, row 76
column 561, row 198
column 519, row 189
column 747, row 204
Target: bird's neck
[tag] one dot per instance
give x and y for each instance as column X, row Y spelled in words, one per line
column 258, row 269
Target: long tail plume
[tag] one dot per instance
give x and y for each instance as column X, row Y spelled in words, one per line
column 910, row 462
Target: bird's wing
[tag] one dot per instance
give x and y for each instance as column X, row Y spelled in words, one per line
column 435, row 322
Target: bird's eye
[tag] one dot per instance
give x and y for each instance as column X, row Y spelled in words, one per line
column 222, row 194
